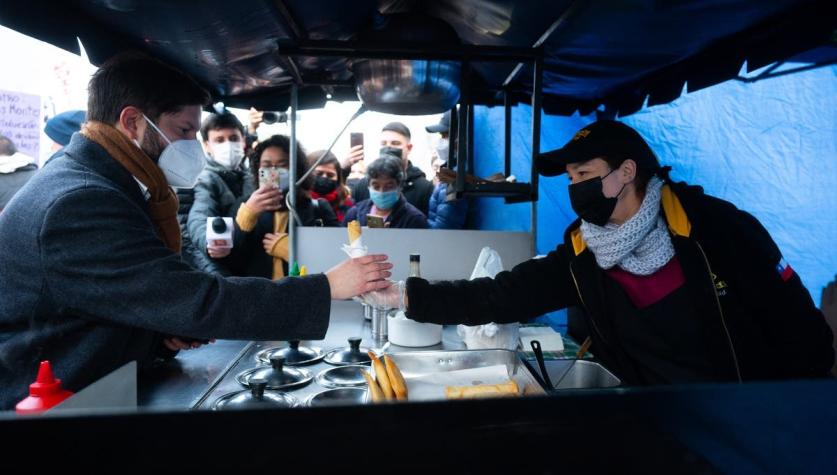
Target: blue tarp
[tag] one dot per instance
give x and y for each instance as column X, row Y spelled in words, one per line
column 769, row 147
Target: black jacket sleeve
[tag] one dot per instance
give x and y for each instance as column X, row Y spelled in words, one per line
column 530, row 289
column 787, row 313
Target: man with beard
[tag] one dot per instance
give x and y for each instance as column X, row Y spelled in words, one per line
column 92, row 277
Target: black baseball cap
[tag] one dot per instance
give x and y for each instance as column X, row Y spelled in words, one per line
column 442, row 127
column 603, row 138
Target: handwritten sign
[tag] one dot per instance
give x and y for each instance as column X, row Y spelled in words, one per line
column 20, row 120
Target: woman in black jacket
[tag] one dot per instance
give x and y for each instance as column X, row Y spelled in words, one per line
column 676, row 286
column 263, row 219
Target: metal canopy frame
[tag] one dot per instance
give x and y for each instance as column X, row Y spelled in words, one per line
column 462, row 120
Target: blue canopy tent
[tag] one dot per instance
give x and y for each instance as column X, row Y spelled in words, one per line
column 768, row 146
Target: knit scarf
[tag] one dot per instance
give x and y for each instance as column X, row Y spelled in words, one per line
column 162, row 202
column 641, row 245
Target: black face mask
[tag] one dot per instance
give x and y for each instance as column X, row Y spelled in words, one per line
column 324, row 185
column 590, row 203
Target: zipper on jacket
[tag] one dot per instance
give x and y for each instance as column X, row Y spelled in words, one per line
column 721, row 312
column 586, row 309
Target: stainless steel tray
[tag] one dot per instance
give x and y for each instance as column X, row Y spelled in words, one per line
column 342, row 376
column 416, row 363
column 338, row 397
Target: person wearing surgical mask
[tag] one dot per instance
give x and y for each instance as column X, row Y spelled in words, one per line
column 396, row 139
column 386, row 177
column 220, row 190
column 263, row 219
column 90, row 248
column 441, row 213
column 676, row 286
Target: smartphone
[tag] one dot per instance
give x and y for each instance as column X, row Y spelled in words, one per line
column 373, row 221
column 273, row 176
column 355, row 138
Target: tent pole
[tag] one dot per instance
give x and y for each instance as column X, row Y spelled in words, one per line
column 292, row 189
column 537, row 89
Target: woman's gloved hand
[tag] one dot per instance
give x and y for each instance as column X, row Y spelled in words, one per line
column 393, row 297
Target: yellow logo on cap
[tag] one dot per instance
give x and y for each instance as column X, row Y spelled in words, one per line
column 581, row 134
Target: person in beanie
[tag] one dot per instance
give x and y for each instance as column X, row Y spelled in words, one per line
column 62, row 127
column 676, row 286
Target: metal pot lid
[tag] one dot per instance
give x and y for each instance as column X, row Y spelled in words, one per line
column 351, row 355
column 294, row 354
column 257, row 397
column 337, row 397
column 347, row 376
column 277, row 375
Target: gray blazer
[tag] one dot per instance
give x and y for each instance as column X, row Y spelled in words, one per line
column 86, row 283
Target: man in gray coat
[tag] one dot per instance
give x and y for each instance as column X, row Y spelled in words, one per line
column 91, row 277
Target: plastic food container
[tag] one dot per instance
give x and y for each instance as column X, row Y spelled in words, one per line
column 406, row 332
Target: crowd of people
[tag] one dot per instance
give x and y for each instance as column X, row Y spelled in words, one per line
column 248, row 179
column 104, row 262
column 385, row 184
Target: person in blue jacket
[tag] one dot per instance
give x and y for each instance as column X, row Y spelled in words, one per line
column 441, row 213
column 386, row 178
column 444, row 214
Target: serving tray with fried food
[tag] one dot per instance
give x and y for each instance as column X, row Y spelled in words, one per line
column 440, row 375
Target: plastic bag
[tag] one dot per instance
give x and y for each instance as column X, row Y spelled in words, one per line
column 490, row 335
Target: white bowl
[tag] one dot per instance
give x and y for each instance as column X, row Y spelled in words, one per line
column 405, row 332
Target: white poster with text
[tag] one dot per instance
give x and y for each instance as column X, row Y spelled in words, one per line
column 20, row 121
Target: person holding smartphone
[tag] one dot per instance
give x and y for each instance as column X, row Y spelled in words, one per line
column 386, row 205
column 416, row 188
column 354, row 159
column 263, row 219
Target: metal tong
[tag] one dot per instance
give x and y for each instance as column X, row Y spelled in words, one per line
column 536, row 348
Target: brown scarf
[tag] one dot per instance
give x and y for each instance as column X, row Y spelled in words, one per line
column 162, row 203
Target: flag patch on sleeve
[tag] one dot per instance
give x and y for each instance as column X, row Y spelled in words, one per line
column 784, row 269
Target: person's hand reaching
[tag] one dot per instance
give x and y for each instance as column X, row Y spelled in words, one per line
column 255, row 119
column 177, row 344
column 359, row 275
column 355, row 155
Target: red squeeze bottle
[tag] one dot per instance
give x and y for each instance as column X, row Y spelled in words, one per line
column 44, row 393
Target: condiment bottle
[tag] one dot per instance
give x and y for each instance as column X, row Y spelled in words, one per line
column 415, row 265
column 44, row 393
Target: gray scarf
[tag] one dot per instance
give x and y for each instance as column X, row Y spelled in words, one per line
column 641, row 245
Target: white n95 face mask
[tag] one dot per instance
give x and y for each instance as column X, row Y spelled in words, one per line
column 182, row 161
column 228, row 154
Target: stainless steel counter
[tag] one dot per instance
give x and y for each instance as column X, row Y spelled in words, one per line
column 196, row 378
